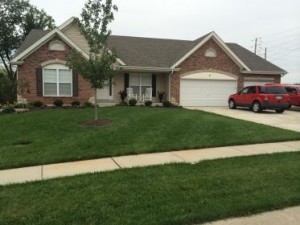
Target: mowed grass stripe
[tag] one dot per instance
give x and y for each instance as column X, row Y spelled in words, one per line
column 171, row 194
column 54, row 135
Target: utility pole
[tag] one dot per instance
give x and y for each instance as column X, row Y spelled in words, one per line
column 255, row 46
column 266, row 53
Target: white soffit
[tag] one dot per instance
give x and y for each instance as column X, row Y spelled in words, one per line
column 208, row 76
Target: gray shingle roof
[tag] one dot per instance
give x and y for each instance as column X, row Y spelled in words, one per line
column 155, row 52
column 31, row 38
column 253, row 61
column 150, row 52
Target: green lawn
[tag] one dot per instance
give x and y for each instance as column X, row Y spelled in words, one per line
column 160, row 195
column 54, row 135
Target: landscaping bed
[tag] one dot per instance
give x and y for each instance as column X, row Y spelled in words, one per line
column 57, row 135
column 175, row 194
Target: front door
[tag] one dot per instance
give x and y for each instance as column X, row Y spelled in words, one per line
column 105, row 93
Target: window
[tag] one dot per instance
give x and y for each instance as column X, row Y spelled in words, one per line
column 291, row 90
column 211, row 53
column 244, row 91
column 251, row 90
column 57, row 46
column 139, row 83
column 272, row 90
column 57, row 81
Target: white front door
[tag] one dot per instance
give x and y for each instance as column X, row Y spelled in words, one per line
column 104, row 93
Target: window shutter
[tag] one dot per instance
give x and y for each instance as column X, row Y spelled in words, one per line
column 75, row 83
column 153, row 85
column 39, row 81
column 126, row 81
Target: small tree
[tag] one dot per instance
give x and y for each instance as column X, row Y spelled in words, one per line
column 98, row 68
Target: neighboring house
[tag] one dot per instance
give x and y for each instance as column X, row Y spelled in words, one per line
column 202, row 72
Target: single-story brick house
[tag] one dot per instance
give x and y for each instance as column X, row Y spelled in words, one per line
column 202, row 72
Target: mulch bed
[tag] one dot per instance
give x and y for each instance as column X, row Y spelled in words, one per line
column 95, row 123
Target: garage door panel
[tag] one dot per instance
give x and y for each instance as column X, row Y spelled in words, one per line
column 206, row 92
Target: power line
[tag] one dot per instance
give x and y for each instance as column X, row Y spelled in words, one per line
column 273, row 34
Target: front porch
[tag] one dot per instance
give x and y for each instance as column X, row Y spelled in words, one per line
column 139, row 83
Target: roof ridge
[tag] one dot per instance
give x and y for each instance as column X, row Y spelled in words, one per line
column 153, row 38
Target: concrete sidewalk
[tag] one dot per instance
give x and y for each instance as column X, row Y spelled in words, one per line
column 288, row 216
column 43, row 172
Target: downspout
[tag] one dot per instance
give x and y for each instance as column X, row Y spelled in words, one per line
column 169, row 94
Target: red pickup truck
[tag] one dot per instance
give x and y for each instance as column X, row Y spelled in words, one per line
column 260, row 97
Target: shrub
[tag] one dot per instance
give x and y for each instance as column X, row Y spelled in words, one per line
column 8, row 109
column 132, row 102
column 167, row 104
column 88, row 104
column 122, row 104
column 58, row 102
column 148, row 103
column 21, row 105
column 75, row 103
column 37, row 104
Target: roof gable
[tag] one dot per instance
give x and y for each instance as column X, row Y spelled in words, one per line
column 31, row 48
column 219, row 41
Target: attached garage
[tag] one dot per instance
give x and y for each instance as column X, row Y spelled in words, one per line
column 206, row 89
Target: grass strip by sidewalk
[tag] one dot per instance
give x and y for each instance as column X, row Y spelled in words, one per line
column 54, row 135
column 172, row 194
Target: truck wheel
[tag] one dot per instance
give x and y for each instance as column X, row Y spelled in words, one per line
column 279, row 110
column 231, row 104
column 256, row 107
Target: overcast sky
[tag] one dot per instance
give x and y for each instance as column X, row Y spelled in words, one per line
column 276, row 22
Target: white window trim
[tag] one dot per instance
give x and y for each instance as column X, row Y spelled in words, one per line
column 140, row 82
column 57, row 68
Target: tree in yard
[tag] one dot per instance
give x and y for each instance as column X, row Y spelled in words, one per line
column 17, row 19
column 98, row 68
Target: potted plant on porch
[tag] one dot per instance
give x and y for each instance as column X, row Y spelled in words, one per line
column 161, row 95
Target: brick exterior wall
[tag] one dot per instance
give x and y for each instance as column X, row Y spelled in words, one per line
column 197, row 62
column 27, row 71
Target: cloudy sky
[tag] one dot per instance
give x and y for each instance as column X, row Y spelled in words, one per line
column 275, row 22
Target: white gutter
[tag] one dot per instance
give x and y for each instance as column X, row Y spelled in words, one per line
column 147, row 69
column 265, row 72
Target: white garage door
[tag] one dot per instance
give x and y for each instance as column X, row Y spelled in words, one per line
column 206, row 92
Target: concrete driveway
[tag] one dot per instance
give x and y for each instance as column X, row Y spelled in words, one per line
column 289, row 120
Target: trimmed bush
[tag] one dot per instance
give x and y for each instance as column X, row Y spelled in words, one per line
column 37, row 104
column 58, row 102
column 167, row 104
column 21, row 105
column 75, row 103
column 122, row 104
column 8, row 109
column 88, row 104
column 148, row 103
column 132, row 102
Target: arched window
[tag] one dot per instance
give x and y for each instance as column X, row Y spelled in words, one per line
column 211, row 53
column 57, row 46
column 57, row 80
